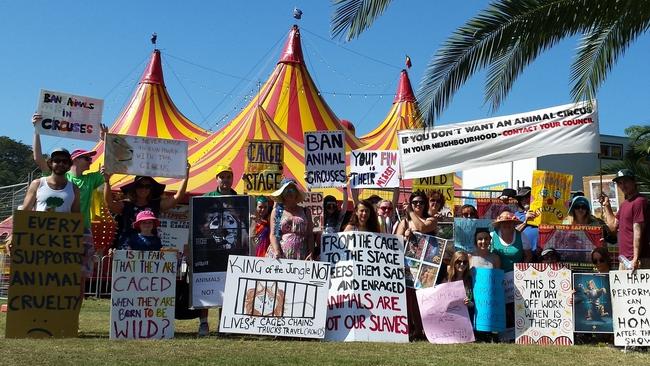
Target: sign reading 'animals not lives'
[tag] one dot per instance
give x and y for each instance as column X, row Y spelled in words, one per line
column 68, row 115
column 45, row 280
column 135, row 155
column 367, row 296
column 265, row 296
column 325, row 159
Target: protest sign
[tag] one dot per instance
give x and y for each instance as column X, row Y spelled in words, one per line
column 263, row 172
column 543, row 312
column 573, row 243
column 566, row 129
column 143, row 294
column 491, row 208
column 374, row 169
column 367, row 296
column 174, row 229
column 314, row 203
column 135, row 155
column 423, row 258
column 592, row 304
column 286, row 298
column 550, row 197
column 70, row 116
column 489, row 300
column 444, row 185
column 45, row 280
column 219, row 228
column 325, row 159
column 445, row 318
column 592, row 189
column 630, row 304
column 465, row 230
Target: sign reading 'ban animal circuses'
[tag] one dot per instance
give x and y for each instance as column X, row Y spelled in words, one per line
column 325, row 159
column 374, row 169
column 367, row 299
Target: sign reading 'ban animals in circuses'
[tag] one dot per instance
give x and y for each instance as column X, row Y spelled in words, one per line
column 543, row 304
column 325, row 159
column 70, row 116
column 374, row 169
column 263, row 166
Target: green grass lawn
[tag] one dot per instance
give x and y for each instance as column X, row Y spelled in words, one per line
column 94, row 348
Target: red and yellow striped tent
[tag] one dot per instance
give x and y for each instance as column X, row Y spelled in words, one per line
column 228, row 146
column 404, row 114
column 151, row 113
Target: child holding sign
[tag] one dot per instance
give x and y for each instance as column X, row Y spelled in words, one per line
column 144, row 238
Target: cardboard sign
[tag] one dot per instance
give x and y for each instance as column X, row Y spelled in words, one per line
column 592, row 189
column 630, row 301
column 325, row 159
column 550, row 197
column 70, row 116
column 423, row 258
column 489, row 300
column 367, row 296
column 443, row 184
column 374, row 169
column 445, row 318
column 592, row 303
column 219, row 228
column 45, row 281
column 314, row 203
column 263, row 172
column 491, row 208
column 135, row 155
column 174, row 229
column 573, row 243
column 465, row 232
column 566, row 129
column 543, row 312
column 286, row 298
column 143, row 294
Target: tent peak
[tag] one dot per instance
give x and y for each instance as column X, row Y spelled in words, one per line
column 153, row 73
column 292, row 52
column 404, row 90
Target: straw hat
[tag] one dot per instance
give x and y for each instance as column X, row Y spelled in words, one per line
column 506, row 216
column 277, row 195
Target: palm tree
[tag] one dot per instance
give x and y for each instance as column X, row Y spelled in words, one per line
column 636, row 158
column 509, row 35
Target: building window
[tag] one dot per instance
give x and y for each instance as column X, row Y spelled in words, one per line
column 611, row 151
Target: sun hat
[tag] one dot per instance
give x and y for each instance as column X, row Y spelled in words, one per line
column 624, row 173
column 157, row 189
column 579, row 200
column 286, row 182
column 506, row 216
column 221, row 168
column 81, row 152
column 508, row 193
column 145, row 216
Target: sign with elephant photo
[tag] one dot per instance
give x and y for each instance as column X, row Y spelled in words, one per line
column 135, row 155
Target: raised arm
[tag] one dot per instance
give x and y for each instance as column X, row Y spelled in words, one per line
column 36, row 146
column 115, row 207
column 610, row 218
column 170, row 202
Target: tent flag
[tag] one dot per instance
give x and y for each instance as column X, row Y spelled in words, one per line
column 565, row 129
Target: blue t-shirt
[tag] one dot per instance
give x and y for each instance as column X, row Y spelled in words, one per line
column 531, row 232
column 137, row 241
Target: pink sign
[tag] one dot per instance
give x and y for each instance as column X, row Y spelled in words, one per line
column 444, row 315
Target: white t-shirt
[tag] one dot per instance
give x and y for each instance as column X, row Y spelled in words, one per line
column 525, row 242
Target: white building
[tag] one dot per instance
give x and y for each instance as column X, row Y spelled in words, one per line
column 520, row 172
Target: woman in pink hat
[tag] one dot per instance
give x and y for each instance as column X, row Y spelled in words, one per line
column 509, row 244
column 145, row 237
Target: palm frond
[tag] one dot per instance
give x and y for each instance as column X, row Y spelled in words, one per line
column 352, row 17
column 599, row 50
column 508, row 35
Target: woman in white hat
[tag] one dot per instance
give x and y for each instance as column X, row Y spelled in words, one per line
column 291, row 225
column 509, row 244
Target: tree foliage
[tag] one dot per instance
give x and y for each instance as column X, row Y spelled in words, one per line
column 16, row 161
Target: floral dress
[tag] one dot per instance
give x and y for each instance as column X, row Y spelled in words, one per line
column 294, row 236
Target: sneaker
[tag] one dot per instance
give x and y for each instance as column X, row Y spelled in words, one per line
column 204, row 330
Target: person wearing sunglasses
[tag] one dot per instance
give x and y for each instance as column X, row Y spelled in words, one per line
column 459, row 270
column 387, row 215
column 580, row 214
column 333, row 214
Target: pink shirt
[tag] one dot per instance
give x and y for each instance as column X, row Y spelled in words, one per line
column 634, row 211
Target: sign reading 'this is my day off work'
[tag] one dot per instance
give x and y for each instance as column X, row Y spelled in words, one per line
column 70, row 116
column 325, row 159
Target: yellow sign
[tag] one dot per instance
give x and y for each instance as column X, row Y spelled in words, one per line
column 263, row 166
column 550, row 197
column 45, row 282
column 444, row 184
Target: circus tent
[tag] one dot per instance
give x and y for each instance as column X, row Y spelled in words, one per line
column 404, row 114
column 151, row 113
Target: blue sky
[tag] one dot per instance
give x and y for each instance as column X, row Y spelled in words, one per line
column 215, row 52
